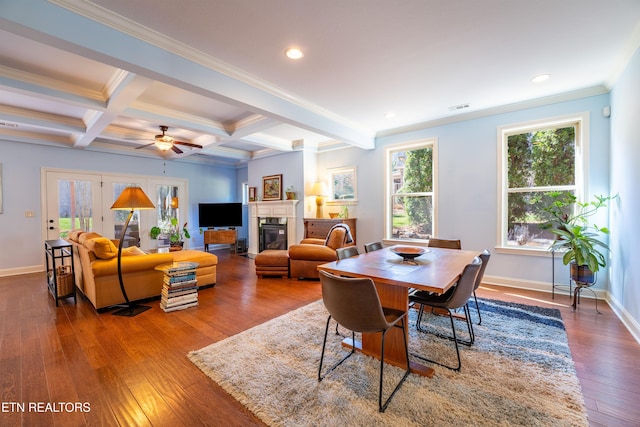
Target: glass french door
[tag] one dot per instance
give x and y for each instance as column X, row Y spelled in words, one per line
column 83, row 201
column 72, row 202
column 114, row 220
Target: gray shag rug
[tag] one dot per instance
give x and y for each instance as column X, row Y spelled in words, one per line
column 518, row 372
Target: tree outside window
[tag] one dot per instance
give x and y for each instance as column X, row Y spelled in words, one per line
column 411, row 195
column 539, row 161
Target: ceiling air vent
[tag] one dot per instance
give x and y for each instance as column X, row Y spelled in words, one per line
column 458, row 107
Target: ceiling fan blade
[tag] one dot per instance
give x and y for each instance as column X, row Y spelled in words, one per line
column 176, row 150
column 144, row 146
column 188, row 144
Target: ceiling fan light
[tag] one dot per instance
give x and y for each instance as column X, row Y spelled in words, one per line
column 163, row 144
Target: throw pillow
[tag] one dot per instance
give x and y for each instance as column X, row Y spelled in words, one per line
column 132, row 250
column 102, row 247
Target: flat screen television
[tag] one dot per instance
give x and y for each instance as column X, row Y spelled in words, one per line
column 219, row 215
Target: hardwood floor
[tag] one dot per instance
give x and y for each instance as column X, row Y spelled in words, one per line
column 134, row 371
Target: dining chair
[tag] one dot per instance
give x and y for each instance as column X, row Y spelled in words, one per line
column 342, row 253
column 347, row 252
column 373, row 246
column 444, row 243
column 456, row 297
column 484, row 256
column 354, row 303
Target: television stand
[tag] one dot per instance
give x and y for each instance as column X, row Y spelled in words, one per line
column 221, row 237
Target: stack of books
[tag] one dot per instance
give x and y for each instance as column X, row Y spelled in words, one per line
column 180, row 287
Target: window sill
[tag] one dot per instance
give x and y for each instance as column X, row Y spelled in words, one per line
column 412, row 242
column 542, row 252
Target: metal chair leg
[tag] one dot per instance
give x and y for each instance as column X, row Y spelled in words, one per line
column 382, row 407
column 324, row 344
column 477, row 308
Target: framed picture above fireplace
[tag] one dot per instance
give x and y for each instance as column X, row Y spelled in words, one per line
column 272, row 187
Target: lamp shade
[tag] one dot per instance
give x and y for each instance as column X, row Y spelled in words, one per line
column 319, row 189
column 132, row 198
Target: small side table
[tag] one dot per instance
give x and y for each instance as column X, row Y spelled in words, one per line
column 56, row 252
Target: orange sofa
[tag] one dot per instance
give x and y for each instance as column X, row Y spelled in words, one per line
column 96, row 269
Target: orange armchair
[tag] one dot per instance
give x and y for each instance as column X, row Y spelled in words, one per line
column 305, row 257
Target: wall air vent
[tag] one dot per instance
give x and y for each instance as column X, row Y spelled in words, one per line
column 458, row 107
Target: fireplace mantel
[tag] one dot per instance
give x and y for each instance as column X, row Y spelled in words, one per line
column 276, row 209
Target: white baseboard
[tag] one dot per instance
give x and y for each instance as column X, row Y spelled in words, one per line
column 22, row 270
column 624, row 316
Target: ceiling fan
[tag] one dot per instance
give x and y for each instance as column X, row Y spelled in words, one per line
column 165, row 142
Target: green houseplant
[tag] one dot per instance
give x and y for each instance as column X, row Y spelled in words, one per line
column 177, row 234
column 576, row 236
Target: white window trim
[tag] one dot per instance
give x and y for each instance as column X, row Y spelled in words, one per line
column 582, row 170
column 388, row 186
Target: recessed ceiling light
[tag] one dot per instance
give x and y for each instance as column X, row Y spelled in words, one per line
column 294, row 53
column 540, row 78
column 389, row 115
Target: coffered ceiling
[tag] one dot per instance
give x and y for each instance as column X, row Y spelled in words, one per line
column 104, row 75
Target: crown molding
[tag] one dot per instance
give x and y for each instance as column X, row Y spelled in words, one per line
column 503, row 109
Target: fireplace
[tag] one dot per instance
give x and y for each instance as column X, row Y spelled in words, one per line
column 272, row 233
column 282, row 210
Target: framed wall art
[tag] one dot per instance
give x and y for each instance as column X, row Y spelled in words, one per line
column 272, row 187
column 252, row 194
column 343, row 185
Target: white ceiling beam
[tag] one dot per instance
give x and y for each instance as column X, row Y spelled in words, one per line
column 173, row 118
column 268, row 141
column 125, row 48
column 227, row 152
column 25, row 83
column 41, row 119
column 252, row 124
column 123, row 89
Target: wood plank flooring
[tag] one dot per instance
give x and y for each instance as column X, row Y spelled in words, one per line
column 134, row 371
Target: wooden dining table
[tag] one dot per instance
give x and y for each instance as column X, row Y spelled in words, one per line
column 436, row 270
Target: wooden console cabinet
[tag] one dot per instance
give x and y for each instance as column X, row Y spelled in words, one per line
column 319, row 227
column 220, row 237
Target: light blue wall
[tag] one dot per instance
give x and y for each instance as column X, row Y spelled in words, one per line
column 625, row 180
column 468, row 182
column 291, row 166
column 22, row 164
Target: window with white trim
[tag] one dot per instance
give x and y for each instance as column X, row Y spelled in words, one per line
column 538, row 159
column 410, row 171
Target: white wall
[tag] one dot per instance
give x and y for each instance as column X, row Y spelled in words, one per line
column 625, row 179
column 22, row 163
column 467, row 156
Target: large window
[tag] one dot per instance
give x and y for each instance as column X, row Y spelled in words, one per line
column 410, row 190
column 538, row 159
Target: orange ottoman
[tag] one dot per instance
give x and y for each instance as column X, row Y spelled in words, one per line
column 272, row 262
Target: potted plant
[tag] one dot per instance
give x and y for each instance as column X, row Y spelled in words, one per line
column 154, row 232
column 291, row 194
column 177, row 235
column 576, row 237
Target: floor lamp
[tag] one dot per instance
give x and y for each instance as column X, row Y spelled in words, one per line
column 130, row 199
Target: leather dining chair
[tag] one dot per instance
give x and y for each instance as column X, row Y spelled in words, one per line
column 373, row 246
column 484, row 256
column 354, row 303
column 444, row 243
column 456, row 297
column 347, row 252
column 342, row 253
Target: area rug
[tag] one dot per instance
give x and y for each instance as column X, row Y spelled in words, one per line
column 518, row 372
